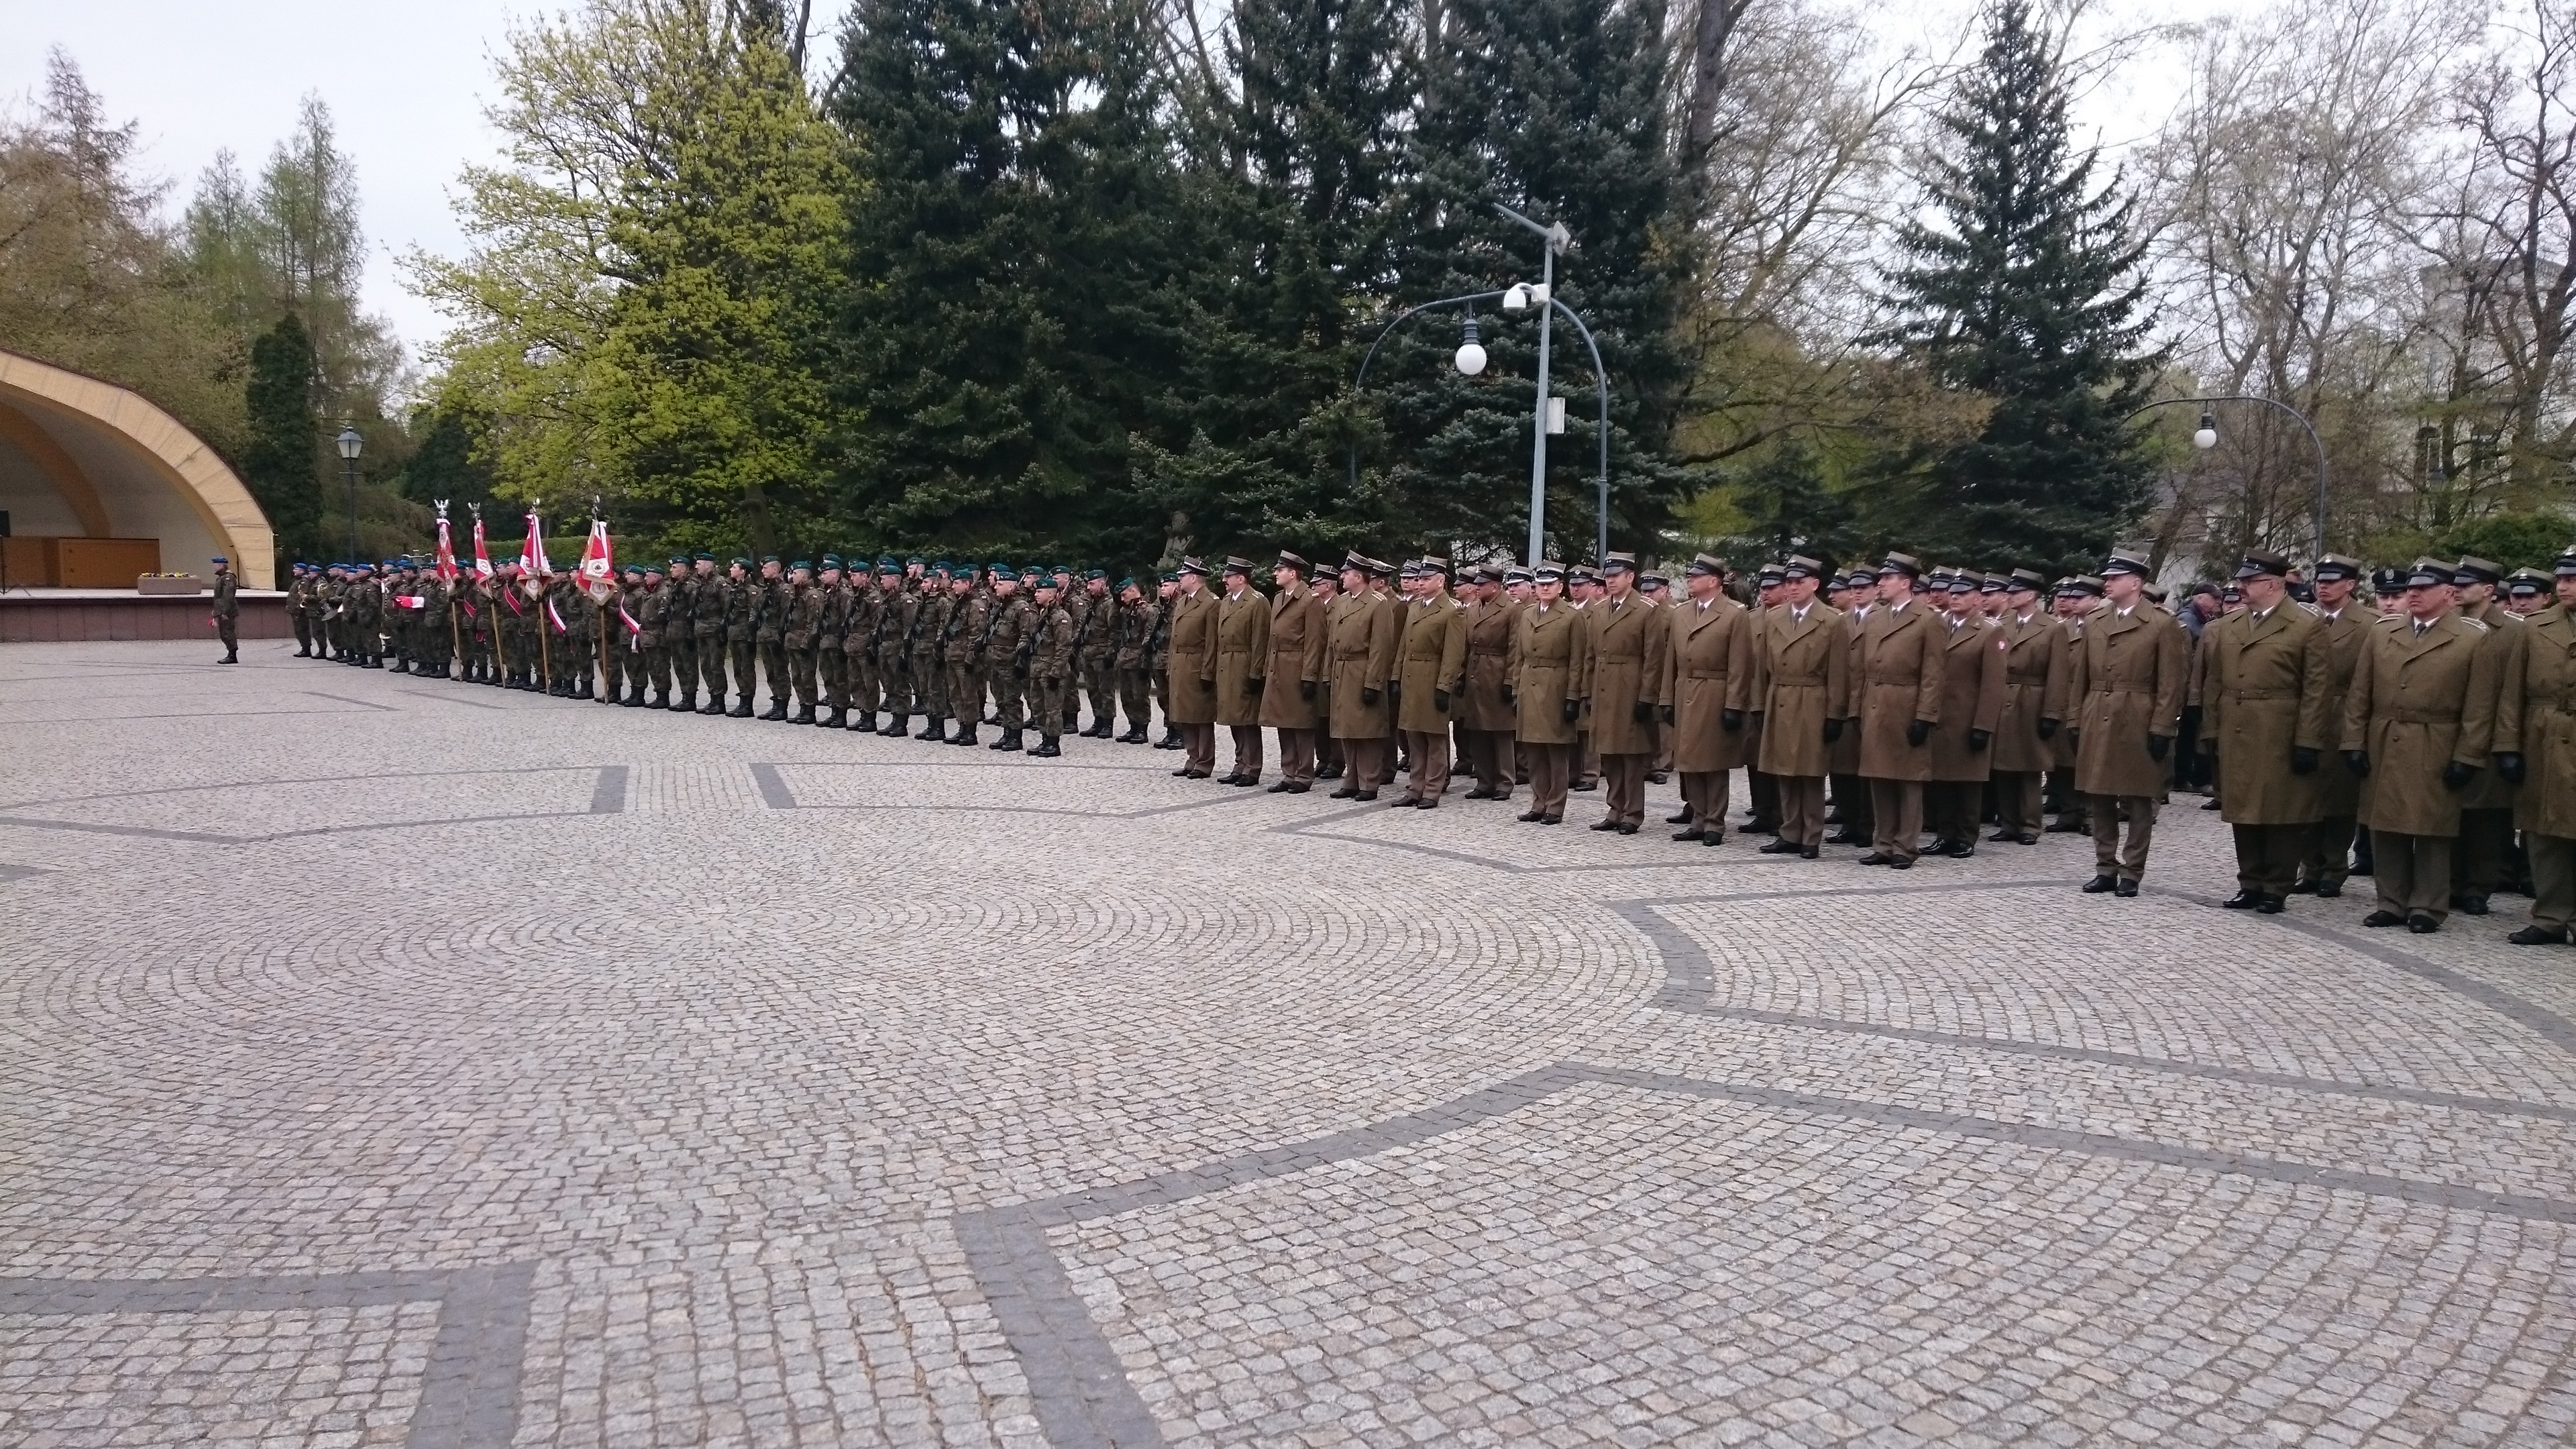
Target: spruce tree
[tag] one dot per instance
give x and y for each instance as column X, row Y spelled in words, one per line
column 2031, row 296
column 279, row 460
column 1557, row 108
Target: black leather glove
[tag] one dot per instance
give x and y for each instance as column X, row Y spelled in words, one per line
column 2047, row 728
column 2157, row 745
column 1440, row 700
column 1207, row 686
column 1255, row 683
column 1667, row 713
column 1730, row 720
column 1833, row 731
column 1979, row 739
column 1306, row 690
column 1917, row 731
column 1511, row 697
column 2510, row 767
column 2357, row 761
column 1641, row 711
column 1573, row 710
column 2303, row 761
column 1019, row 669
column 1395, row 692
column 2457, row 776
column 1370, row 696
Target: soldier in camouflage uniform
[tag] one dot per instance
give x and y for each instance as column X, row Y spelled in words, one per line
column 1095, row 657
column 680, row 633
column 769, row 600
column 929, row 653
column 959, row 635
column 652, row 615
column 863, row 645
column 804, row 610
column 1005, row 670
column 1135, row 623
column 707, row 630
column 1158, row 658
column 617, row 662
column 831, row 624
column 437, row 626
column 1047, row 649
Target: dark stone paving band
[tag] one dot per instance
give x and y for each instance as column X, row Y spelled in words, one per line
column 1690, row 981
column 469, row 1393
column 1081, row 1393
column 607, row 797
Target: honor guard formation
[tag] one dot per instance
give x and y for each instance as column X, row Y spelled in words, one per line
column 2414, row 725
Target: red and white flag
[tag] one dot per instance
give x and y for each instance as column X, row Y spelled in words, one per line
column 482, row 559
column 597, row 566
column 558, row 618
column 446, row 552
column 532, row 554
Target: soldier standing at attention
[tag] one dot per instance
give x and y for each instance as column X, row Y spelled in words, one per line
column 742, row 649
column 929, row 653
column 1242, row 652
column 2077, row 598
column 1005, row 665
column 299, row 594
column 1857, row 596
column 1493, row 629
column 1326, row 586
column 1047, row 646
column 1896, row 685
column 680, row 633
column 1362, row 646
column 1630, row 639
column 2535, row 748
column 1292, row 672
column 1432, row 660
column 961, row 633
column 2034, row 707
column 227, row 611
column 2264, row 695
column 619, row 672
column 1190, row 702
column 1546, row 689
column 708, row 643
column 2346, row 624
column 2417, row 726
column 831, row 628
column 802, row 610
column 1972, row 704
column 1158, row 656
column 652, row 611
column 1134, row 619
column 2128, row 687
column 1095, row 656
column 1800, row 661
column 1705, row 695
column 2483, row 863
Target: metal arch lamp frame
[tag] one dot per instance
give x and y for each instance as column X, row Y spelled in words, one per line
column 2300, row 418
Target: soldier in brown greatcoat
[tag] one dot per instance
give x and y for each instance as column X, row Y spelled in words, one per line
column 2535, row 748
column 1706, row 695
column 1549, row 679
column 2346, row 623
column 1293, row 674
column 2076, row 600
column 1896, row 686
column 1801, row 659
column 1242, row 653
column 1362, row 642
column 2034, row 706
column 1430, row 664
column 1972, row 703
column 1629, row 638
column 1493, row 628
column 1190, row 702
column 2264, row 699
column 2482, row 863
column 1851, row 808
column 2417, row 726
column 2127, row 687
column 1325, row 583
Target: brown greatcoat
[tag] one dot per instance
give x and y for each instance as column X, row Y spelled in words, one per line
column 2035, row 670
column 1296, row 658
column 1242, row 651
column 1800, row 677
column 1434, row 659
column 2339, row 789
column 1191, row 654
column 1360, row 652
column 1628, row 644
column 1845, row 754
column 1708, row 669
column 2417, row 705
column 2536, row 718
column 1551, row 653
column 1972, row 697
column 1493, row 632
column 2263, row 693
column 2130, row 674
column 1897, row 681
column 2489, row 791
column 2062, row 748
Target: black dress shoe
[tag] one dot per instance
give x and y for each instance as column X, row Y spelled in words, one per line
column 2100, row 885
column 1691, row 834
column 2328, row 890
column 2538, row 936
column 1810, row 853
column 2422, row 924
column 1183, row 773
column 1876, row 857
column 2242, row 901
column 1605, row 826
column 1299, row 788
column 2272, row 905
column 1847, row 837
column 1480, row 793
column 1780, row 847
column 1581, row 785
column 2067, row 827
column 2469, row 903
column 1279, row 789
column 2303, row 887
column 1679, row 818
column 1343, row 793
column 2377, row 919
column 1958, row 850
column 1329, row 772
column 2125, row 889
column 1532, row 816
column 1900, row 864
column 1247, row 781
column 1404, row 802
column 1628, row 827
column 1365, row 795
column 1551, row 820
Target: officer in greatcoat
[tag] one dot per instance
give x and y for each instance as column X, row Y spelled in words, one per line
column 1706, row 695
column 2128, row 687
column 2417, row 726
column 2265, row 693
column 1801, row 659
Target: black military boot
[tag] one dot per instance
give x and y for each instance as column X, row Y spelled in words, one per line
column 777, row 711
column 684, row 701
column 742, row 709
column 1171, row 739
column 965, row 733
column 933, row 727
column 895, row 727
column 805, row 714
column 714, row 704
column 866, row 722
column 836, row 719
column 634, row 696
column 401, row 665
column 1047, row 748
column 1010, row 741
column 584, row 689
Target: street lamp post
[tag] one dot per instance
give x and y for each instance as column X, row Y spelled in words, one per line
column 2205, row 437
column 350, row 444
column 1552, row 239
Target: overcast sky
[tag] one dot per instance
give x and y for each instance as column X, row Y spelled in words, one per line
column 407, row 84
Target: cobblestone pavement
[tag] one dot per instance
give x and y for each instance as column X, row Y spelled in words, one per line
column 388, row 1061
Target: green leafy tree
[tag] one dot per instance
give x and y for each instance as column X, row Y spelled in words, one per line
column 443, row 463
column 279, row 464
column 2028, row 293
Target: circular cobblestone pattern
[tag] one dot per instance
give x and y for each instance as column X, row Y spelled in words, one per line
column 397, row 1061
